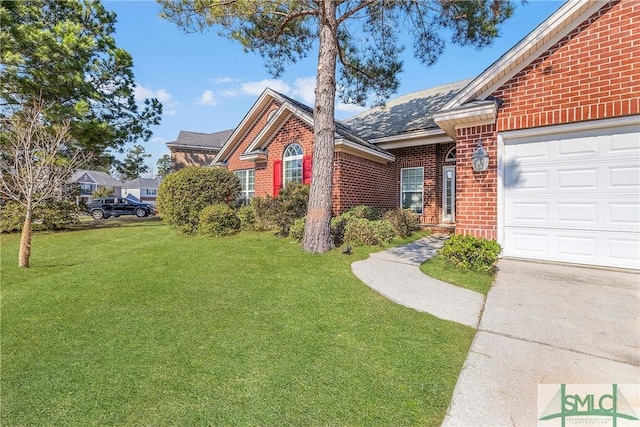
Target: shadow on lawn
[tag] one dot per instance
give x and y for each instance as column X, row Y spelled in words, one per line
column 132, row 221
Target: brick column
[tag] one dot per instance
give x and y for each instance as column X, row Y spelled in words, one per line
column 476, row 193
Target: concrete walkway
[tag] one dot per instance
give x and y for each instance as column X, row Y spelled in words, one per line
column 542, row 325
column 548, row 324
column 395, row 273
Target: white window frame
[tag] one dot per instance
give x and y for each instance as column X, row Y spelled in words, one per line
column 451, row 155
column 403, row 191
column 248, row 186
column 151, row 192
column 293, row 153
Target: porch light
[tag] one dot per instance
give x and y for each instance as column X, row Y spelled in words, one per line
column 480, row 158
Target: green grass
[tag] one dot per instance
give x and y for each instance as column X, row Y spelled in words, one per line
column 477, row 281
column 138, row 325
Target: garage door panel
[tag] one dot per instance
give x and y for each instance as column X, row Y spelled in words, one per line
column 582, row 178
column 577, row 213
column 597, row 248
column 574, row 197
column 625, row 214
column 627, row 177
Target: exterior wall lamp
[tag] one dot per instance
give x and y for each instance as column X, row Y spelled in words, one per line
column 480, row 158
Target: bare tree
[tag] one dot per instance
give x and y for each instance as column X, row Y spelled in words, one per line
column 35, row 164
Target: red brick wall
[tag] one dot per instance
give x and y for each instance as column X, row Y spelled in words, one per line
column 592, row 73
column 476, row 193
column 431, row 158
column 182, row 158
column 358, row 181
column 294, row 130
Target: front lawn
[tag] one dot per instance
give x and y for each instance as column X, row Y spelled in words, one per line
column 138, row 325
column 440, row 269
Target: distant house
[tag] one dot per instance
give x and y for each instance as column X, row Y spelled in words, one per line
column 195, row 148
column 141, row 189
column 90, row 181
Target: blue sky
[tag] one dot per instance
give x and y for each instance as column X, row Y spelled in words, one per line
column 207, row 84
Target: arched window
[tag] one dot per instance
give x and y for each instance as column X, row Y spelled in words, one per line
column 451, row 155
column 292, row 163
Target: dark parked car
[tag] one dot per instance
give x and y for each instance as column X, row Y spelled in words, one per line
column 104, row 207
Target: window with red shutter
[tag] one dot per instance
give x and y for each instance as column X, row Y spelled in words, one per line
column 277, row 177
column 307, row 161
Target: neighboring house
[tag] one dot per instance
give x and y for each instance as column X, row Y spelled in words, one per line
column 196, row 149
column 141, row 189
column 90, row 181
column 558, row 116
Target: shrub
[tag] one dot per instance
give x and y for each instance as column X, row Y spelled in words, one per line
column 366, row 212
column 361, row 231
column 218, row 220
column 184, row 194
column 263, row 208
column 11, row 216
column 103, row 192
column 471, row 253
column 290, row 205
column 339, row 223
column 403, row 221
column 297, row 228
column 247, row 216
column 54, row 215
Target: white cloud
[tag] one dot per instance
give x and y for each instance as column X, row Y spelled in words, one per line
column 305, row 90
column 350, row 108
column 166, row 99
column 207, row 98
column 256, row 88
column 223, row 80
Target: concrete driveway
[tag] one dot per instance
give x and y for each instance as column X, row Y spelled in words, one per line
column 547, row 324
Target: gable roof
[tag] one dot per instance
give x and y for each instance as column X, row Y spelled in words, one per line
column 213, row 141
column 564, row 20
column 288, row 107
column 408, row 113
column 95, row 177
column 141, row 183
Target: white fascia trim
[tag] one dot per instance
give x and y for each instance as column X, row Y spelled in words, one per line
column 406, row 136
column 466, row 112
column 565, row 20
column 368, row 151
column 571, row 127
column 254, row 157
column 239, row 133
column 265, row 135
column 466, row 116
column 500, row 201
column 443, row 138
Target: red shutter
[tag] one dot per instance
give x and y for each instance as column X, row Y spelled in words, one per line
column 307, row 161
column 277, row 177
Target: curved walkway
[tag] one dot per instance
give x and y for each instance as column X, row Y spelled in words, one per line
column 395, row 273
column 543, row 324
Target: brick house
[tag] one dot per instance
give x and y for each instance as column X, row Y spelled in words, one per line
column 558, row 116
column 196, row 148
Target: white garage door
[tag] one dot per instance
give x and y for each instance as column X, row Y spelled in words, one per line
column 574, row 197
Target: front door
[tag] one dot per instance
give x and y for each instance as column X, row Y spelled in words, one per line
column 449, row 194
